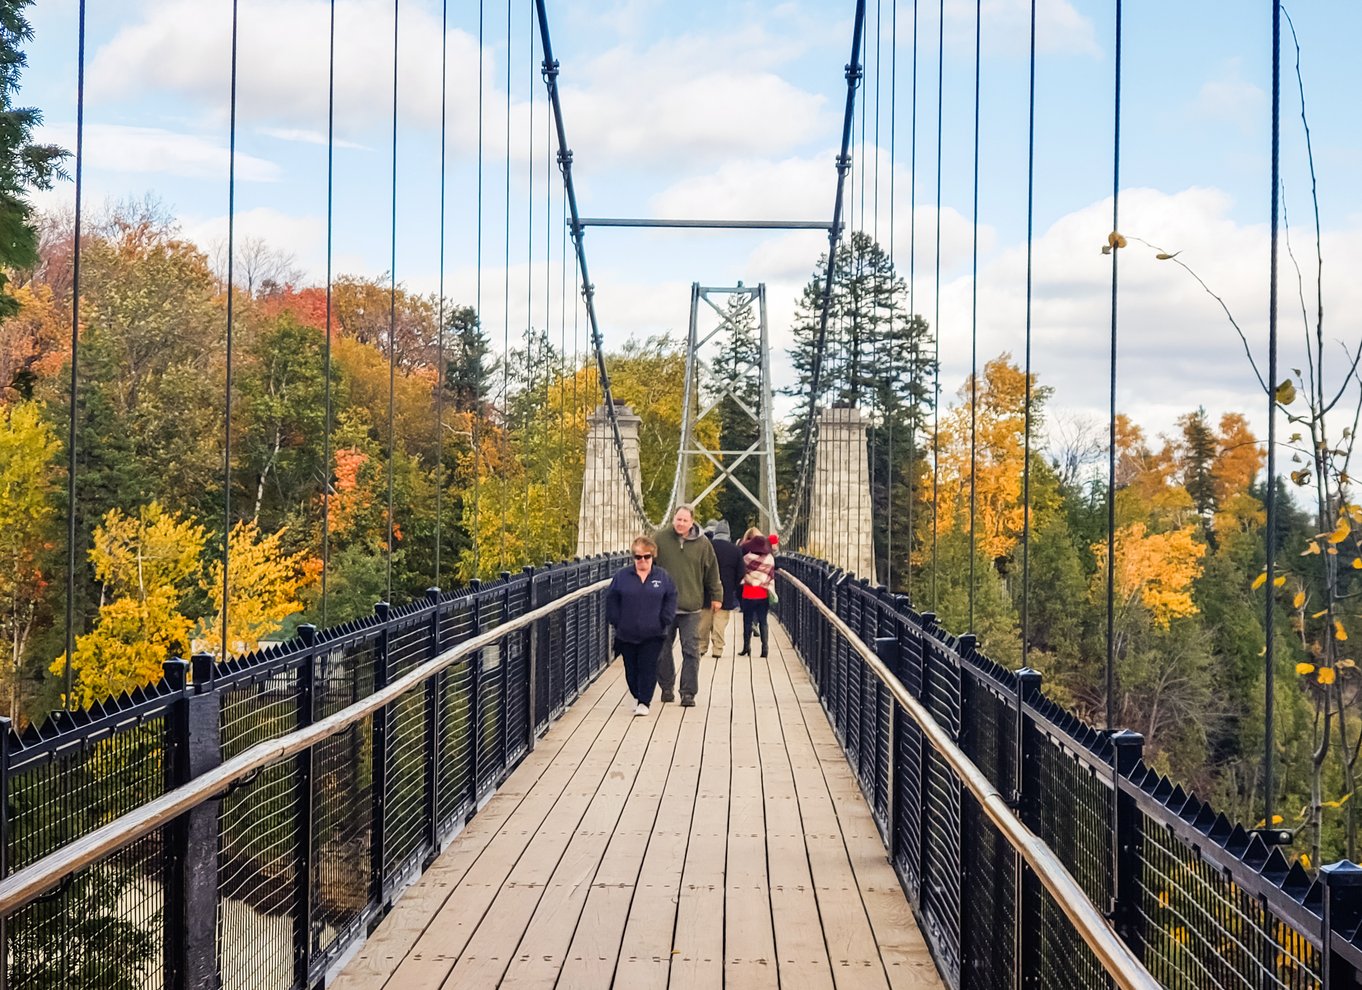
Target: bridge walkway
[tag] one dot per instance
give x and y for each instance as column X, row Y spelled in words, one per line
column 722, row 845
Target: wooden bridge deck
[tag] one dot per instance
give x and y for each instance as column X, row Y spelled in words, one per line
column 721, row 845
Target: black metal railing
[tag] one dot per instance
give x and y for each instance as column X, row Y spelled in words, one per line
column 267, row 885
column 1200, row 901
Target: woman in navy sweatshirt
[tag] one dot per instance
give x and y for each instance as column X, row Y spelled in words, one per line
column 641, row 605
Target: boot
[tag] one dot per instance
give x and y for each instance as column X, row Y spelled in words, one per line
column 746, row 650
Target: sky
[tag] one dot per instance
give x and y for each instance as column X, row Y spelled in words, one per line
column 728, row 110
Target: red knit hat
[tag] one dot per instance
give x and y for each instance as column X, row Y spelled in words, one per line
column 774, row 540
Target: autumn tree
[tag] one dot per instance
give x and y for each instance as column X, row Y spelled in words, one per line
column 146, row 565
column 28, row 451
column 263, row 582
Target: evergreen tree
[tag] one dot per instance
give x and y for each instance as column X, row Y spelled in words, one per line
column 877, row 357
column 23, row 165
column 467, row 372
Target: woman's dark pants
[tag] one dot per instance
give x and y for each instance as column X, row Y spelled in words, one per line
column 640, row 667
column 754, row 610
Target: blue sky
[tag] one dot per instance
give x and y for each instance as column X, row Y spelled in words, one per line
column 733, row 109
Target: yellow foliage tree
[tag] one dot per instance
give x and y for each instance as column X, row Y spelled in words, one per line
column 1156, row 569
column 146, row 564
column 998, row 461
column 28, row 448
column 263, row 586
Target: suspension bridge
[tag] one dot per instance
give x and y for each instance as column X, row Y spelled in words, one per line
column 454, row 792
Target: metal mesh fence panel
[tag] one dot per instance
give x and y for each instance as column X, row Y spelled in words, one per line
column 1072, row 804
column 342, row 796
column 258, row 840
column 1200, row 929
column 990, row 911
column 106, row 928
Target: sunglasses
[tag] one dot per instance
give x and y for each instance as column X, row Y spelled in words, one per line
column 643, row 556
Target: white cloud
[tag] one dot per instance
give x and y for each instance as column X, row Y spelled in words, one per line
column 1229, row 98
column 182, row 47
column 118, row 148
column 1060, row 28
column 302, row 237
column 693, row 98
column 300, row 135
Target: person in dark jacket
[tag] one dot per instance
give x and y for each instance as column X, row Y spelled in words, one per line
column 758, row 579
column 726, row 552
column 641, row 606
column 689, row 558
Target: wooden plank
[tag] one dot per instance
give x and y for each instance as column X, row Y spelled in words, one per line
column 556, row 864
column 749, row 941
column 697, row 954
column 555, row 813
column 850, row 940
column 562, row 912
column 904, row 958
column 802, row 955
column 513, row 813
column 649, row 898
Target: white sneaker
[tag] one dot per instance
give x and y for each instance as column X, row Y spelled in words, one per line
column 640, row 709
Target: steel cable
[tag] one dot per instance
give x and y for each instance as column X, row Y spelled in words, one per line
column 327, row 425
column 71, row 446
column 392, row 320
column 1026, row 412
column 936, row 298
column 1270, row 549
column 231, row 299
column 440, row 373
column 1111, row 439
column 974, row 328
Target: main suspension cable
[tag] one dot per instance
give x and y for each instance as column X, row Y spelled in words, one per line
column 550, row 74
column 853, row 76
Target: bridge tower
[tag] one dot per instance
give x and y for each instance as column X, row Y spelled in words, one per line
column 606, row 519
column 839, row 507
column 702, row 400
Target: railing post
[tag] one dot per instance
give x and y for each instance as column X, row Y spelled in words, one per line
column 504, row 723
column 1127, row 836
column 6, row 727
column 196, row 886
column 887, row 649
column 1342, row 912
column 924, row 693
column 1026, row 934
column 532, row 663
column 380, row 774
column 302, row 928
column 432, row 741
column 474, row 698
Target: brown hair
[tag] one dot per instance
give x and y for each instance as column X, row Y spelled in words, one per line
column 644, row 541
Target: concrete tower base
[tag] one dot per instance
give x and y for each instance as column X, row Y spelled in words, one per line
column 840, row 512
column 606, row 521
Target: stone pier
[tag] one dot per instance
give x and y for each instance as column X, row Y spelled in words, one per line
column 839, row 510
column 607, row 521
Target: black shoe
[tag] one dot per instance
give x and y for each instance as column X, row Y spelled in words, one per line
column 745, row 652
column 687, row 701
column 763, row 651
column 668, row 696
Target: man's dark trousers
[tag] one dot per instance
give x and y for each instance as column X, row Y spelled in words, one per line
column 688, row 626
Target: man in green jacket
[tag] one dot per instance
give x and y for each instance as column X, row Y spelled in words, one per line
column 685, row 554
